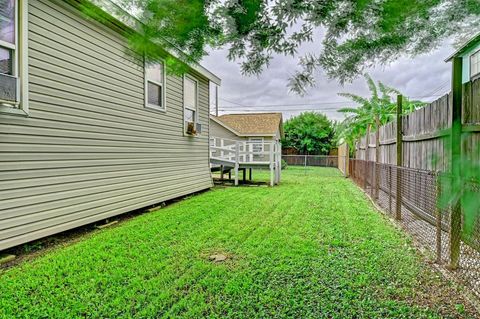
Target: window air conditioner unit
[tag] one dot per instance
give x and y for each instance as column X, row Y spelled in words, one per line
column 199, row 128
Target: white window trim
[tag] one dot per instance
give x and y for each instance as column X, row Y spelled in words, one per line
column 162, row 85
column 9, row 45
column 195, row 120
column 215, row 97
column 20, row 68
column 476, row 75
column 257, row 140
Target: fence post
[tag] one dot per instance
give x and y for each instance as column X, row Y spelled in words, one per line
column 438, row 215
column 390, row 189
column 377, row 156
column 345, row 161
column 279, row 161
column 398, row 201
column 305, row 165
column 250, row 152
column 272, row 166
column 237, row 161
column 367, row 155
column 456, row 153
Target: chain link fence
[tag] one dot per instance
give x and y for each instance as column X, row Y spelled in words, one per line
column 308, row 162
column 418, row 212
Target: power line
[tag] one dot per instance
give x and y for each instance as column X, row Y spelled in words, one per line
column 224, row 107
column 440, row 87
column 296, row 104
column 424, row 96
column 231, row 102
column 283, row 107
column 279, row 110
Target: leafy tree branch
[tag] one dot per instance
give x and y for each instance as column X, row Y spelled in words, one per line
column 357, row 34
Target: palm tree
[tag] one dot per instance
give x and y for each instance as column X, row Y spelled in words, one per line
column 373, row 112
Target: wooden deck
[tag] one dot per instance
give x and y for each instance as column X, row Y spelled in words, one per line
column 238, row 155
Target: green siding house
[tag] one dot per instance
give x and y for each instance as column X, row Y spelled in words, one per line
column 470, row 55
column 87, row 131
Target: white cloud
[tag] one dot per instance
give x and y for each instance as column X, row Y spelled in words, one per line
column 415, row 77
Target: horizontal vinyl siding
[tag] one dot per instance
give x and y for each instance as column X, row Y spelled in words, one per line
column 216, row 130
column 89, row 149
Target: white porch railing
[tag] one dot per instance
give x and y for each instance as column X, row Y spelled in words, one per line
column 247, row 154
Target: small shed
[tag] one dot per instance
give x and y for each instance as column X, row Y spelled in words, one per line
column 246, row 141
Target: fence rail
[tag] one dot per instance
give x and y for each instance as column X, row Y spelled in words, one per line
column 418, row 213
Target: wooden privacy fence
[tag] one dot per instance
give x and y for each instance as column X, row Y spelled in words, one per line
column 343, row 157
column 311, row 160
column 425, row 134
column 400, row 170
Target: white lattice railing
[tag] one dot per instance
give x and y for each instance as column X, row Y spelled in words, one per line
column 243, row 153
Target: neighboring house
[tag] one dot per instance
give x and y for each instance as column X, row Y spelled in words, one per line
column 247, row 141
column 253, row 127
column 88, row 132
column 470, row 55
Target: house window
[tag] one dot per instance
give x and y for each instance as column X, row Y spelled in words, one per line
column 257, row 144
column 475, row 64
column 8, row 38
column 155, row 86
column 13, row 56
column 190, row 104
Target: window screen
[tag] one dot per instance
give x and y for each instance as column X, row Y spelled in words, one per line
column 155, row 78
column 190, row 102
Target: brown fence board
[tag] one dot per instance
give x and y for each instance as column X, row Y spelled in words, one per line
column 426, row 134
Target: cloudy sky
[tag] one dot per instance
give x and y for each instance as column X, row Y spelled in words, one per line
column 426, row 76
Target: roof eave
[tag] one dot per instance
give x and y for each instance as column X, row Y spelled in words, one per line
column 464, row 47
column 257, row 135
column 129, row 23
column 224, row 125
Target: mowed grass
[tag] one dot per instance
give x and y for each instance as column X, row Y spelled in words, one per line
column 312, row 247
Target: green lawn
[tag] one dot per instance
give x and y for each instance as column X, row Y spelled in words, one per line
column 312, row 247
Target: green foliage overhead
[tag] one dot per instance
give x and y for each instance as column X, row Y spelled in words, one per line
column 309, row 133
column 379, row 109
column 462, row 186
column 355, row 34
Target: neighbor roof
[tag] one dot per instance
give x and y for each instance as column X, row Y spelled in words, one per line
column 474, row 40
column 254, row 123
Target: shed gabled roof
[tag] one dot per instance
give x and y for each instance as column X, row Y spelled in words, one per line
column 251, row 124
